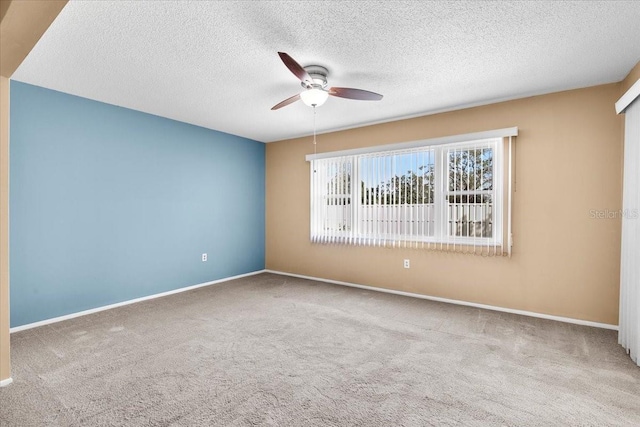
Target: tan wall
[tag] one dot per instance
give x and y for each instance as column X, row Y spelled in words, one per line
column 4, row 229
column 568, row 162
column 631, row 78
column 23, row 23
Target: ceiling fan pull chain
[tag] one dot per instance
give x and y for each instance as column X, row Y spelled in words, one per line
column 315, row 148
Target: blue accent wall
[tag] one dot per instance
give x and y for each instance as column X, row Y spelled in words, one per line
column 109, row 204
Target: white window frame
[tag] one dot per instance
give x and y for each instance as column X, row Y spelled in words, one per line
column 497, row 145
column 440, row 146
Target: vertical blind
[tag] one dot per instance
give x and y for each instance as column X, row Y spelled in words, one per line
column 447, row 197
column 629, row 329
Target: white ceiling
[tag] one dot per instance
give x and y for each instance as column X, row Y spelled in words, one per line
column 215, row 63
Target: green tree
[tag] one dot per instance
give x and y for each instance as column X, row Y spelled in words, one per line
column 410, row 188
column 470, row 170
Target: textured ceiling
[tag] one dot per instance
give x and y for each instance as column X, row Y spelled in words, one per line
column 215, row 64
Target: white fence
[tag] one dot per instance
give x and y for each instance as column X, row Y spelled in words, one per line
column 414, row 220
column 465, row 220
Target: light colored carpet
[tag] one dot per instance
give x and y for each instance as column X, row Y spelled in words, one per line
column 273, row 350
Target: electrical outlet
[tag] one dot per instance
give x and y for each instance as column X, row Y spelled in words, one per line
column 407, row 264
column 204, row 257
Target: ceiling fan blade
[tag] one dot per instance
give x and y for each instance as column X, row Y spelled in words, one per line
column 347, row 92
column 286, row 102
column 296, row 68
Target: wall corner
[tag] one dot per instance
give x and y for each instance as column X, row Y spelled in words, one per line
column 5, row 366
column 632, row 77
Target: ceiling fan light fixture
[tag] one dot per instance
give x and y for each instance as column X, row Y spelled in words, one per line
column 314, row 97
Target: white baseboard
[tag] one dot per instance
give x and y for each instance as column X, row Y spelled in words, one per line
column 457, row 302
column 4, row 383
column 132, row 301
column 319, row 279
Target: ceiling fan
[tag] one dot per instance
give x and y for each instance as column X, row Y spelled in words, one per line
column 314, row 80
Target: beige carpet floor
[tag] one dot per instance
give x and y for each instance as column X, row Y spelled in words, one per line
column 274, row 350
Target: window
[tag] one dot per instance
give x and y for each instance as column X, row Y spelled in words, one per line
column 447, row 196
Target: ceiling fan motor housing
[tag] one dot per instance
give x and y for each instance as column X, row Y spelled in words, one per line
column 319, row 75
